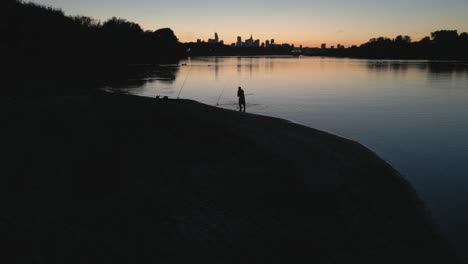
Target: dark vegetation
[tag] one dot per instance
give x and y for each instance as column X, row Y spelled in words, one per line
column 43, row 42
column 441, row 45
column 108, row 178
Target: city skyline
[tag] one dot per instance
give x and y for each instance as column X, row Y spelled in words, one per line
column 249, row 42
column 309, row 23
column 252, row 42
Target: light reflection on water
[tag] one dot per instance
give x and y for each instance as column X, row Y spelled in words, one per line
column 412, row 113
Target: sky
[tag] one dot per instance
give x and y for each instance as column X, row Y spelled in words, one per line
column 300, row 22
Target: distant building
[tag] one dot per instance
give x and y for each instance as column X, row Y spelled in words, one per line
column 199, row 41
column 312, row 51
column 272, row 42
column 215, row 40
column 239, row 42
column 249, row 42
column 324, row 46
column 256, row 43
column 296, row 51
column 332, row 47
column 267, row 43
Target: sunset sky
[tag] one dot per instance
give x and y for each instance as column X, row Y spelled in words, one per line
column 306, row 22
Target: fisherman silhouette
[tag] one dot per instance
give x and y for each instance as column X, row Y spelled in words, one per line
column 241, row 95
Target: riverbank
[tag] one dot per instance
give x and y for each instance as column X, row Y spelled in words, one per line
column 107, row 178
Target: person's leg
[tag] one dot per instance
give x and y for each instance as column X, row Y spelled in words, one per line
column 243, row 103
column 240, row 105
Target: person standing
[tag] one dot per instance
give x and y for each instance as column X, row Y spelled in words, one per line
column 241, row 95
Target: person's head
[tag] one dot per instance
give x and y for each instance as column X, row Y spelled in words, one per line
column 240, row 88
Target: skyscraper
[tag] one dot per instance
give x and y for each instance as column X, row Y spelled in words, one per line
column 215, row 40
column 256, row 43
column 324, row 46
column 249, row 42
column 239, row 41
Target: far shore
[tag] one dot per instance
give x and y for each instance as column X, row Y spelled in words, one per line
column 113, row 178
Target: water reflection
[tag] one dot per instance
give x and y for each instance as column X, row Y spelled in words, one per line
column 274, row 69
column 216, row 65
column 432, row 70
column 137, row 76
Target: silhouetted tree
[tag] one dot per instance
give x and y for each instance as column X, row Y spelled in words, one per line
column 444, row 37
column 426, row 40
column 121, row 27
column 164, row 42
column 165, row 35
column 86, row 22
column 463, row 45
column 402, row 40
column 445, row 43
column 464, row 36
column 41, row 39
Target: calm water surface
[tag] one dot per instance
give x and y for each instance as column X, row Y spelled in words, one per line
column 414, row 114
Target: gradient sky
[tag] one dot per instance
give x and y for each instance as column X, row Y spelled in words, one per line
column 306, row 22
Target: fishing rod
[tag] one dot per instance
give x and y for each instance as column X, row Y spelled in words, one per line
column 185, row 81
column 222, row 92
column 221, row 95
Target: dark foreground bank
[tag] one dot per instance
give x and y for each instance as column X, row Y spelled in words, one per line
column 111, row 178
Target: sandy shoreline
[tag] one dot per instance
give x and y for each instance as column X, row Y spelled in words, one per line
column 119, row 178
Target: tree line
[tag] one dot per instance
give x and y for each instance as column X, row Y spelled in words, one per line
column 440, row 45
